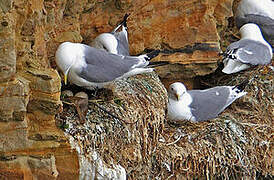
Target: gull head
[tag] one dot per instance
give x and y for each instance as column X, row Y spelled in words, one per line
column 64, row 57
column 106, row 41
column 176, row 91
column 251, row 31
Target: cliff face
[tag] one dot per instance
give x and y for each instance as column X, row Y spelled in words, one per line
column 185, row 31
column 31, row 146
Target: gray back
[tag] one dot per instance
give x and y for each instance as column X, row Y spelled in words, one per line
column 207, row 104
column 260, row 55
column 103, row 66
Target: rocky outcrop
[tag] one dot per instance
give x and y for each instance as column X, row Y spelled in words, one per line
column 33, row 146
column 185, row 31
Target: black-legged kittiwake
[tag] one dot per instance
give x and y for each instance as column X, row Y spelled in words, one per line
column 200, row 105
column 115, row 42
column 250, row 50
column 89, row 67
column 260, row 12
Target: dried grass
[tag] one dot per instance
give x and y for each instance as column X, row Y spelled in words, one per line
column 237, row 144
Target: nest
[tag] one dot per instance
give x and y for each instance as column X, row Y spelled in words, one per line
column 135, row 134
column 236, row 144
column 122, row 127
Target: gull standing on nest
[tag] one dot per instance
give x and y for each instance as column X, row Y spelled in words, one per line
column 91, row 68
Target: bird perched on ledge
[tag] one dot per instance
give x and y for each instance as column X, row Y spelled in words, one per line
column 114, row 42
column 200, row 105
column 250, row 50
column 89, row 67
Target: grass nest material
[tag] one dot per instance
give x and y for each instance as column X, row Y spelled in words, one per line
column 129, row 139
column 237, row 144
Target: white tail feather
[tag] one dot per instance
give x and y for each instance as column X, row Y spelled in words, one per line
column 233, row 66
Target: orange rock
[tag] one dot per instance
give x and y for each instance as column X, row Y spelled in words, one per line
column 185, row 32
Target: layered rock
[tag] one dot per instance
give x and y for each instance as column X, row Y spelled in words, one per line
column 32, row 146
column 185, row 31
column 30, row 31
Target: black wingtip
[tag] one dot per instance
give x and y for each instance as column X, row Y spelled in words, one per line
column 242, row 85
column 124, row 22
column 157, row 64
column 126, row 16
column 152, row 54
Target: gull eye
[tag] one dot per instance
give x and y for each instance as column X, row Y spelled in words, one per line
column 104, row 47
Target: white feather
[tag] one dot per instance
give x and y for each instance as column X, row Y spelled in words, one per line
column 179, row 109
column 106, row 41
column 258, row 7
column 233, row 66
column 252, row 31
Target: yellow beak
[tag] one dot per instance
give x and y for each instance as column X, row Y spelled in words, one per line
column 177, row 96
column 65, row 79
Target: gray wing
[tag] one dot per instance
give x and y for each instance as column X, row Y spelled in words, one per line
column 250, row 52
column 265, row 23
column 207, row 104
column 123, row 47
column 260, row 20
column 103, row 66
